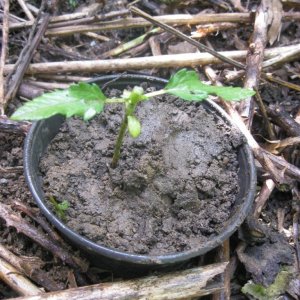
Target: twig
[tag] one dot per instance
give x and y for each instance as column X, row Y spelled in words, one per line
column 289, row 85
column 7, row 125
column 26, row 10
column 262, row 108
column 37, row 217
column 186, row 38
column 33, row 272
column 96, row 36
column 281, row 118
column 88, row 19
column 16, row 281
column 255, row 58
column 12, row 18
column 264, row 194
column 25, row 61
column 182, row 19
column 64, row 78
column 168, row 19
column 282, row 58
column 296, row 220
column 163, row 61
column 4, row 49
column 47, row 85
column 18, row 169
column 29, row 91
column 186, row 284
column 21, row 225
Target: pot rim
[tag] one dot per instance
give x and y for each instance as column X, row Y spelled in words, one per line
column 233, row 223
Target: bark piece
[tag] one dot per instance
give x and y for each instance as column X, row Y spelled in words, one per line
column 178, row 285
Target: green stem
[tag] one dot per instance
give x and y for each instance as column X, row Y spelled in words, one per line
column 119, row 142
column 156, row 93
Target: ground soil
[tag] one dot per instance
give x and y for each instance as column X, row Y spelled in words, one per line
column 174, row 186
column 264, row 257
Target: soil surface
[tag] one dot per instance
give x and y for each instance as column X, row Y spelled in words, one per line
column 174, row 186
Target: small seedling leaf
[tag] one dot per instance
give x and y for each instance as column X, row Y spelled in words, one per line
column 69, row 102
column 134, row 126
column 186, row 85
column 134, row 96
column 64, row 205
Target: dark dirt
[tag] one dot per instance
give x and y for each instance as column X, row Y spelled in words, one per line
column 14, row 188
column 174, row 186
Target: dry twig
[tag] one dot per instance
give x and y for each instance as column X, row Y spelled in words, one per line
column 4, row 49
column 281, row 118
column 162, row 61
column 255, row 58
column 26, row 10
column 16, row 281
column 24, row 61
column 33, row 272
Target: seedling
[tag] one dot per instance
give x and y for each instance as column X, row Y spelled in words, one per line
column 60, row 208
column 87, row 100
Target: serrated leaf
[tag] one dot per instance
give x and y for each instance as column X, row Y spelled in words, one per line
column 186, row 85
column 67, row 102
column 134, row 126
column 228, row 93
column 87, row 91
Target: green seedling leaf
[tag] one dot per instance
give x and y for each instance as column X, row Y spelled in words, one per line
column 134, row 126
column 186, row 85
column 134, row 96
column 87, row 91
column 59, row 208
column 69, row 102
column 63, row 205
column 228, row 93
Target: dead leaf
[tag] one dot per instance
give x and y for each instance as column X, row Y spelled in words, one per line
column 276, row 147
column 275, row 16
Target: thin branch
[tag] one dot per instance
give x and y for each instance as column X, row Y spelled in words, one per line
column 262, row 108
column 4, row 50
column 161, row 61
column 255, row 58
column 32, row 271
column 16, row 281
column 26, row 10
column 24, row 63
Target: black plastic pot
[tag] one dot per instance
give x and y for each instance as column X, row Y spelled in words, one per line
column 42, row 133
